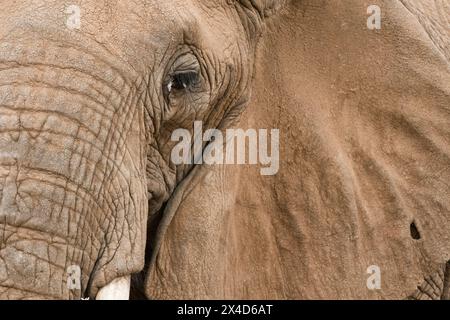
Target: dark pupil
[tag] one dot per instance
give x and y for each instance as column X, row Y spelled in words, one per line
column 184, row 80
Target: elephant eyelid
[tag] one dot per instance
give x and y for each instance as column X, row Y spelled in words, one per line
column 186, row 62
column 183, row 79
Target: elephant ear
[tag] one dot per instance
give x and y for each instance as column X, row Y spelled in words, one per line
column 363, row 185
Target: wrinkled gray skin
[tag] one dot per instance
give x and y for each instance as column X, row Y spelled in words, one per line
column 85, row 123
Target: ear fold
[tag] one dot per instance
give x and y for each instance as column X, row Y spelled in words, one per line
column 364, row 123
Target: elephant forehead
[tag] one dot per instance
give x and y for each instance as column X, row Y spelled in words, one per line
column 141, row 33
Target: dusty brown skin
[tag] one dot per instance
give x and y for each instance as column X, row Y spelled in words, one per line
column 85, row 124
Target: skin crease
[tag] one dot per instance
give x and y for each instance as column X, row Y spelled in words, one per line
column 85, row 125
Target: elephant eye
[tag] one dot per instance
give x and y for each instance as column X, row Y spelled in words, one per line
column 182, row 81
column 183, row 86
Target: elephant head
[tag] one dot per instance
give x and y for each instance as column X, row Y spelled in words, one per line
column 90, row 95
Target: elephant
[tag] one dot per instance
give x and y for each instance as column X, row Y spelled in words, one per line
column 91, row 205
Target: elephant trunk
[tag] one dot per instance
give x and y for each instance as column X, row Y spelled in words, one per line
column 73, row 199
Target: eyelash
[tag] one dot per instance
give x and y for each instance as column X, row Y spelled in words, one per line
column 182, row 81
